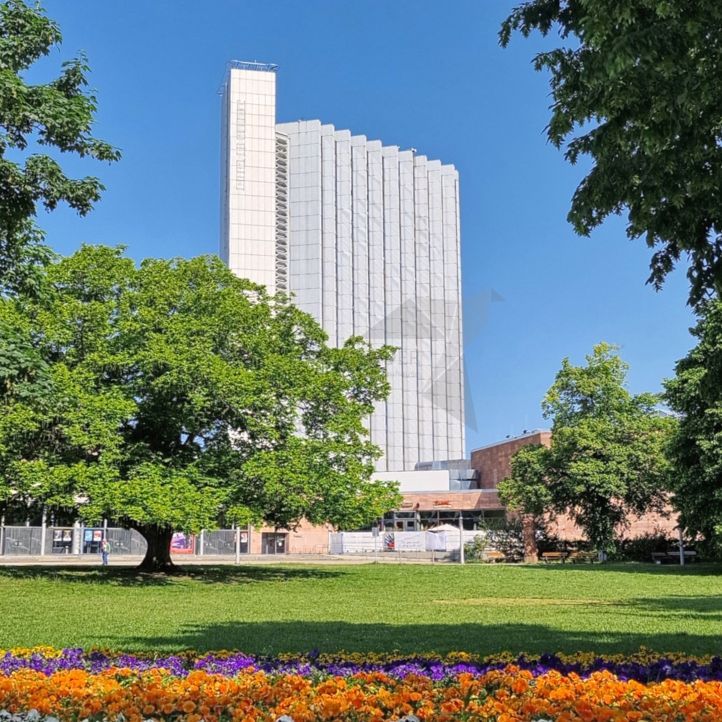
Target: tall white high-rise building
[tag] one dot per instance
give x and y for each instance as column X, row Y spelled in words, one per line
column 366, row 238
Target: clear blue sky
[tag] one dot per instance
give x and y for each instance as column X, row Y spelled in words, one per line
column 415, row 73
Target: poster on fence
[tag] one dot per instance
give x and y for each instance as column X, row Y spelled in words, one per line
column 182, row 543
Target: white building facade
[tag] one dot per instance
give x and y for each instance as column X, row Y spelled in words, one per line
column 366, row 238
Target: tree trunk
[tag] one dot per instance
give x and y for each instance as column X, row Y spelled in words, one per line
column 157, row 557
column 531, row 552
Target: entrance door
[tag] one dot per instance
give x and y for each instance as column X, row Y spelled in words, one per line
column 273, row 543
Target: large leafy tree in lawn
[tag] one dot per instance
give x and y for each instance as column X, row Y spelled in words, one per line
column 607, row 455
column 57, row 115
column 180, row 395
column 25, row 394
column 695, row 393
column 637, row 88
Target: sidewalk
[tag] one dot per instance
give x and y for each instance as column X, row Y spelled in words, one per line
column 91, row 560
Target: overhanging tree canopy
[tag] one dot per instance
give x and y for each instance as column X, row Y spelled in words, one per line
column 177, row 394
column 58, row 115
column 637, row 87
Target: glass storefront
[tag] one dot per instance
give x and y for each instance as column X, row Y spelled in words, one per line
column 422, row 520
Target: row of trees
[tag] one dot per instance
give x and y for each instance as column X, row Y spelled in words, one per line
column 614, row 454
column 169, row 395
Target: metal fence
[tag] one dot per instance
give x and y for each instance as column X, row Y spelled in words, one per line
column 56, row 541
column 220, row 541
column 395, row 541
column 78, row 540
column 126, row 541
column 22, row 540
column 502, row 538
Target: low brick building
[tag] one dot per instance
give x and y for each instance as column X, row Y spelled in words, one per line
column 305, row 539
column 493, row 464
column 493, row 461
column 425, row 510
column 442, row 492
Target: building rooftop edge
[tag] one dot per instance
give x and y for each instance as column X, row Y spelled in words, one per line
column 533, row 432
column 392, row 148
column 252, row 65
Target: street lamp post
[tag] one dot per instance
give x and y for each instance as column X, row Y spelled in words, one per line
column 461, row 539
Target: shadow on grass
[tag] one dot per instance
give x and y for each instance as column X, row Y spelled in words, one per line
column 122, row 576
column 696, row 569
column 706, row 608
column 303, row 636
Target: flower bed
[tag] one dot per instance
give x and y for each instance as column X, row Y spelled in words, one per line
column 644, row 666
column 71, row 685
column 504, row 696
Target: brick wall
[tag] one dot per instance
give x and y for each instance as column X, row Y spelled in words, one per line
column 306, row 539
column 493, row 462
column 564, row 528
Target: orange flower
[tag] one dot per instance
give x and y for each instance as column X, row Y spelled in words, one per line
column 509, row 695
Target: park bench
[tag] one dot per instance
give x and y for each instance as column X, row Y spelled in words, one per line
column 554, row 557
column 671, row 556
column 494, row 556
column 583, row 557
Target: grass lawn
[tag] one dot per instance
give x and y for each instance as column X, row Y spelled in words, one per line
column 409, row 608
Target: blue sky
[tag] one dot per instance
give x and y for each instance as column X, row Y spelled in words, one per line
column 415, row 73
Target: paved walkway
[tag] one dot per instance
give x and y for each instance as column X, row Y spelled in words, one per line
column 91, row 560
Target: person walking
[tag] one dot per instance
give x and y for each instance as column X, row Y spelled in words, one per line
column 104, row 551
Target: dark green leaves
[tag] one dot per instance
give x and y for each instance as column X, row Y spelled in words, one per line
column 178, row 394
column 59, row 115
column 638, row 89
column 696, row 451
column 25, row 35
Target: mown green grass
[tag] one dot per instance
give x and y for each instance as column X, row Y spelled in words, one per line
column 484, row 609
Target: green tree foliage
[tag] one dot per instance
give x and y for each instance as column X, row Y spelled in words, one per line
column 636, row 87
column 58, row 115
column 695, row 393
column 526, row 490
column 607, row 455
column 174, row 395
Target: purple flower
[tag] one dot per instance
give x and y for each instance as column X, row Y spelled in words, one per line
column 644, row 667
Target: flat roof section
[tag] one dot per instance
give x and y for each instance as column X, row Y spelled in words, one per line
column 533, row 432
column 252, row 65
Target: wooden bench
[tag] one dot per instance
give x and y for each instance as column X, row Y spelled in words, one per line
column 554, row 557
column 671, row 556
column 494, row 556
column 583, row 557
